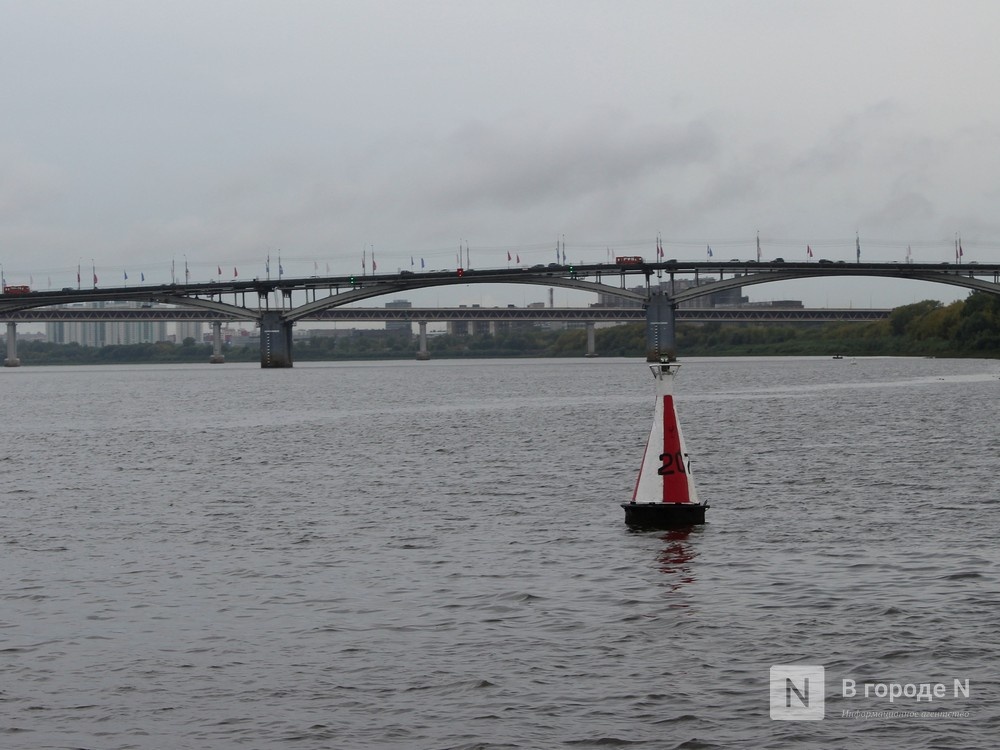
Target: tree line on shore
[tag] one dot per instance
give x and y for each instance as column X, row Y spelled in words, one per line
column 967, row 328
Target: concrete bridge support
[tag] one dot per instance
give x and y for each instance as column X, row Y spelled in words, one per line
column 591, row 348
column 275, row 340
column 422, row 354
column 217, row 357
column 661, row 340
column 12, row 360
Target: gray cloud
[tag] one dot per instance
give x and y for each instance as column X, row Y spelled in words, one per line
column 27, row 187
column 137, row 135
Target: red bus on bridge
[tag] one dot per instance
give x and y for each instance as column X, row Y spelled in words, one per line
column 628, row 260
column 16, row 289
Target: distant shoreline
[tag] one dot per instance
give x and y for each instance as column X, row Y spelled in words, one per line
column 965, row 329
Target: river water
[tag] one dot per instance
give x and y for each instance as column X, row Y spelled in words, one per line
column 432, row 555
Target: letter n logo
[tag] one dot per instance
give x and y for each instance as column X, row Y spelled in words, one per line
column 798, row 692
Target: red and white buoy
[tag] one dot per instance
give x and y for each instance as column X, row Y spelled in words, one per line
column 665, row 495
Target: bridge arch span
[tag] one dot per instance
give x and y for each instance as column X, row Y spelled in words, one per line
column 206, row 304
column 937, row 277
column 381, row 288
column 181, row 300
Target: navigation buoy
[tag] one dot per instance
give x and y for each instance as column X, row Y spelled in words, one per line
column 665, row 495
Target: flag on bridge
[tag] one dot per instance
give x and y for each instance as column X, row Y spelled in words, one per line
column 518, row 257
column 960, row 253
column 709, row 251
column 809, row 251
column 758, row 246
column 421, row 262
column 142, row 276
column 235, row 272
column 218, row 270
column 508, row 256
column 857, row 244
column 411, row 261
column 125, row 274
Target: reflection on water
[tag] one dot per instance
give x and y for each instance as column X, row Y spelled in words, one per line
column 675, row 554
column 677, row 551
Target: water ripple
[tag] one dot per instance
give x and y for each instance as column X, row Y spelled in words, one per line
column 310, row 559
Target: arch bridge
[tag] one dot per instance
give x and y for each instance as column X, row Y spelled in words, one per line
column 277, row 304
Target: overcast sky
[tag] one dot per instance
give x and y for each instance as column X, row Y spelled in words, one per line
column 137, row 133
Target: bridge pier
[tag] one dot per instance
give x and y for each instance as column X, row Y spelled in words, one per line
column 422, row 354
column 217, row 357
column 591, row 348
column 661, row 339
column 275, row 340
column 12, row 360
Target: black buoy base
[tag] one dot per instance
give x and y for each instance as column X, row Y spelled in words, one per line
column 664, row 515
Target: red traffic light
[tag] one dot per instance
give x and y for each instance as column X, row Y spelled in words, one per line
column 461, row 272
